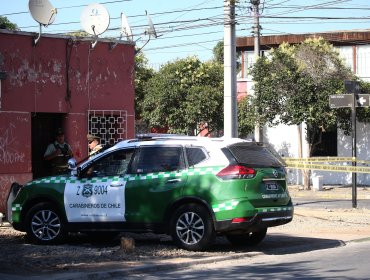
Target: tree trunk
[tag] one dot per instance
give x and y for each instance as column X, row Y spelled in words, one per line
column 305, row 172
column 306, row 179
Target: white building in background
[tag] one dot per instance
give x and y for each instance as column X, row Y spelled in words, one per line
column 354, row 48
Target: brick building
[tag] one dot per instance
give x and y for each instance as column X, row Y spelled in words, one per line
column 61, row 82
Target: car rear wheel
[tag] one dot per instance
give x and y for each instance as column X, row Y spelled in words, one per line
column 247, row 239
column 192, row 227
column 44, row 225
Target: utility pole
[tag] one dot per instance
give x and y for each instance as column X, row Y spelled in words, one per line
column 258, row 130
column 230, row 100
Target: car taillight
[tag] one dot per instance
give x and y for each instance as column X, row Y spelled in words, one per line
column 236, row 172
column 240, row 220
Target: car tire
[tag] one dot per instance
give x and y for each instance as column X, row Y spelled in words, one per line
column 44, row 225
column 247, row 239
column 192, row 227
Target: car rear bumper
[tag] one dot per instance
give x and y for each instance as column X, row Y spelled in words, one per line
column 260, row 221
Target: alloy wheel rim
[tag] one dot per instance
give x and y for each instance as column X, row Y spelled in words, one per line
column 45, row 225
column 190, row 228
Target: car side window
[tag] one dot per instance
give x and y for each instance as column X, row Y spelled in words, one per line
column 114, row 164
column 195, row 155
column 159, row 159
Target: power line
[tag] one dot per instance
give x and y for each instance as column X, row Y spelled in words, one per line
column 68, row 7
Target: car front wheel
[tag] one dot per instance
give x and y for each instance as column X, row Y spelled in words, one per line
column 44, row 225
column 192, row 227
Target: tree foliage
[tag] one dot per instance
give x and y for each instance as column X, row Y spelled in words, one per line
column 293, row 84
column 246, row 117
column 143, row 73
column 182, row 93
column 6, row 24
column 79, row 33
column 218, row 52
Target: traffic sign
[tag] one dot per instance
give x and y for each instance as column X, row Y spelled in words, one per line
column 362, row 100
column 352, row 87
column 340, row 100
column 346, row 100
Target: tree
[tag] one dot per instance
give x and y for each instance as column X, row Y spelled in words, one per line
column 143, row 73
column 6, row 24
column 293, row 84
column 218, row 52
column 218, row 55
column 246, row 117
column 182, row 93
column 79, row 33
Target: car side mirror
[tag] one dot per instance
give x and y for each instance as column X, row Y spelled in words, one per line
column 72, row 163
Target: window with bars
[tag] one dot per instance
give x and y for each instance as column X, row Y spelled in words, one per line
column 109, row 125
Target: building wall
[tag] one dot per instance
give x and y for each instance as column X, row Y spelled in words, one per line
column 285, row 141
column 64, row 77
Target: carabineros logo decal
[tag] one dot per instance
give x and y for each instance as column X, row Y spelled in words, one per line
column 87, row 190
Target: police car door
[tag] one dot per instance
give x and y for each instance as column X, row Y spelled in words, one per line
column 157, row 177
column 98, row 194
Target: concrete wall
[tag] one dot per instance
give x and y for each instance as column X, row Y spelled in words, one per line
column 285, row 141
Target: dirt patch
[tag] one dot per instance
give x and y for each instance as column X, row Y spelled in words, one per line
column 342, row 224
column 79, row 253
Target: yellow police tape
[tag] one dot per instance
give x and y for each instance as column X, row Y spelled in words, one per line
column 321, row 159
column 307, row 163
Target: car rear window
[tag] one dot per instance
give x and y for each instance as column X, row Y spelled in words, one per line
column 159, row 159
column 195, row 155
column 256, row 154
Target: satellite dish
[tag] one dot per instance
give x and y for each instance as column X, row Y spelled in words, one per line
column 151, row 30
column 95, row 19
column 125, row 28
column 42, row 11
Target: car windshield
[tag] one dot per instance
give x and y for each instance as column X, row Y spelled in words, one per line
column 256, row 154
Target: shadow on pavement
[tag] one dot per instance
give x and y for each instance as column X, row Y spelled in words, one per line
column 278, row 244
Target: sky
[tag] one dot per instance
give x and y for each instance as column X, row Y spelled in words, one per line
column 193, row 27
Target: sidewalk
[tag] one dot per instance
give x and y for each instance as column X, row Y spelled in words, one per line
column 330, row 192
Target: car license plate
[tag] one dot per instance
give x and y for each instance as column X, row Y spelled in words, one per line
column 271, row 186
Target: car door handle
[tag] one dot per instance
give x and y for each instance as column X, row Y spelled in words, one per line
column 116, row 185
column 172, row 181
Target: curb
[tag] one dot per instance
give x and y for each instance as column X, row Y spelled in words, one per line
column 326, row 195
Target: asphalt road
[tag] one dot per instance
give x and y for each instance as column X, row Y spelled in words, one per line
column 345, row 262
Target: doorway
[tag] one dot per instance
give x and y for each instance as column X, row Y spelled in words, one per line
column 44, row 127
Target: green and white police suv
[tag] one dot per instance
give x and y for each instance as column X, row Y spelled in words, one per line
column 192, row 188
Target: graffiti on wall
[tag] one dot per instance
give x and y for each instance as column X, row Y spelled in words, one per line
column 5, row 183
column 8, row 153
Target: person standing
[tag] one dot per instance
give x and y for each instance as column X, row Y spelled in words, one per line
column 94, row 144
column 58, row 153
column 203, row 129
